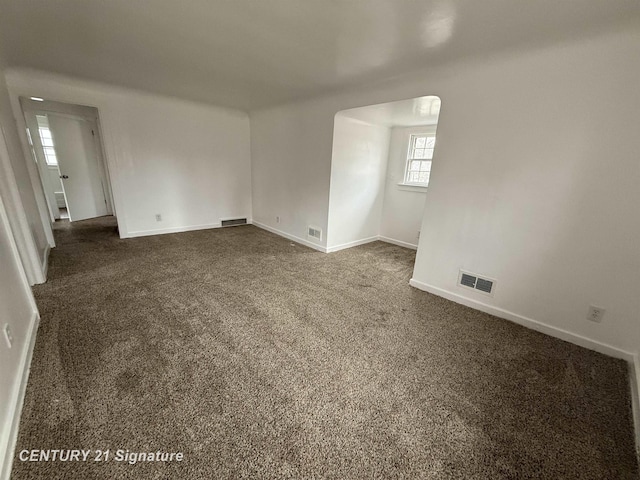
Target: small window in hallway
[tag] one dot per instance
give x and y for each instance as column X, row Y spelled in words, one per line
column 419, row 159
column 47, row 140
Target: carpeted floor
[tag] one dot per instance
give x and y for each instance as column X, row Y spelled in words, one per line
column 260, row 358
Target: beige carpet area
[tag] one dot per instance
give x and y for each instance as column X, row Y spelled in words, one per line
column 259, row 358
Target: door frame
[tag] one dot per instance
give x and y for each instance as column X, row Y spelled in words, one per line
column 29, row 109
column 32, row 83
column 97, row 143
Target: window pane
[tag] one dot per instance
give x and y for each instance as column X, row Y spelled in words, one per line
column 45, row 137
column 419, row 153
column 50, row 156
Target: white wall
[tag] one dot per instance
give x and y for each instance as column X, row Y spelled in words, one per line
column 17, row 307
column 18, row 310
column 19, row 221
column 537, row 186
column 403, row 206
column 536, row 182
column 291, row 167
column 358, row 170
column 23, row 209
column 188, row 162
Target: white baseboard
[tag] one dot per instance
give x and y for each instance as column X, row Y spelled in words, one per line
column 355, row 243
column 400, row 243
column 352, row 244
column 190, row 228
column 335, row 248
column 9, row 438
column 633, row 359
column 527, row 322
column 290, row 237
column 45, row 262
column 634, row 380
column 162, row 231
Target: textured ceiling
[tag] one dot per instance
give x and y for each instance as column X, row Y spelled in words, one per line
column 253, row 53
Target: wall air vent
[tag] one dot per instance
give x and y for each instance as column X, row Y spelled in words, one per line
column 467, row 280
column 234, row 221
column 484, row 285
column 315, row 232
column 475, row 282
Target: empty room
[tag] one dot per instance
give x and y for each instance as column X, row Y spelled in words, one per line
column 312, row 239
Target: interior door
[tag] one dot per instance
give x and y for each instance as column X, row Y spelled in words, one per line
column 79, row 169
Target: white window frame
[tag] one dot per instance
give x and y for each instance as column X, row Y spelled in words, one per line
column 407, row 171
column 49, row 151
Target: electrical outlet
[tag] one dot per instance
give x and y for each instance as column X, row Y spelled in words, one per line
column 158, row 217
column 8, row 336
column 595, row 314
column 277, row 219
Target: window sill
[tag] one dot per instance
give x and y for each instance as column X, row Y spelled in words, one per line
column 408, row 187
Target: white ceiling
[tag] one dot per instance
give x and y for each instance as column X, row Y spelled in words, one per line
column 404, row 113
column 253, row 53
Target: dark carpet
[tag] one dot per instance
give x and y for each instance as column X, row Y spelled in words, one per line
column 260, row 358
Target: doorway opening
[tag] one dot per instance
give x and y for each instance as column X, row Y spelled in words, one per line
column 381, row 170
column 67, row 148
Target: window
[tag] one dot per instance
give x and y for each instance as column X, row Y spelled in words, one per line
column 47, row 140
column 419, row 159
